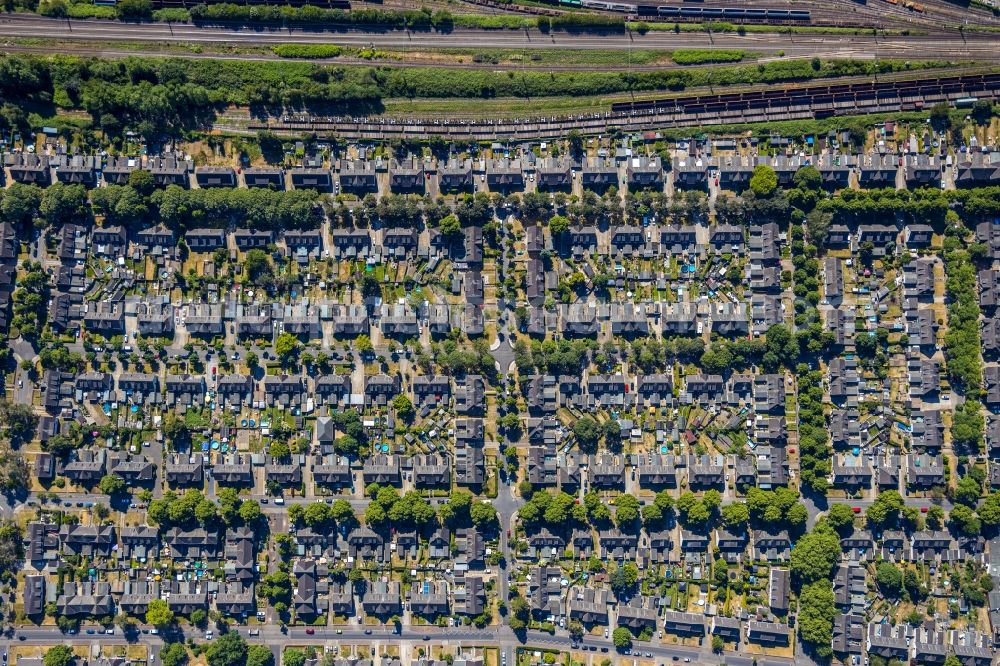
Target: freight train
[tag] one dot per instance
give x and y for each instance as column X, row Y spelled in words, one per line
column 325, row 4
column 686, row 13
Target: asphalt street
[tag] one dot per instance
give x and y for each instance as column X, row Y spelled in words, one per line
column 505, row 503
column 973, row 46
column 273, row 636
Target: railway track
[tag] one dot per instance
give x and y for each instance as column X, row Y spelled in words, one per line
column 867, row 13
column 897, row 46
column 755, row 106
column 822, row 97
column 83, row 50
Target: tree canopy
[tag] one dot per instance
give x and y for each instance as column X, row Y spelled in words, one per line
column 58, row 655
column 158, row 614
column 764, row 180
column 622, row 638
column 112, row 484
column 815, row 554
column 229, row 649
column 587, row 433
column 816, row 613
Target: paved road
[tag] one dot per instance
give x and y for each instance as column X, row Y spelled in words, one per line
column 503, row 352
column 23, row 386
column 975, row 46
column 506, row 504
column 272, row 635
column 816, row 508
column 358, row 504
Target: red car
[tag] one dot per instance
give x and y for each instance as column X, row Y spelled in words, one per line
column 856, row 509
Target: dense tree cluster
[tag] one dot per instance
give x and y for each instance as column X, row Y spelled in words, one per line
column 150, row 95
column 885, row 510
column 816, row 613
column 59, row 655
column 815, row 554
column 779, row 506
column 388, row 506
column 276, row 587
column 182, row 511
column 176, row 207
column 873, row 350
column 11, row 549
column 926, row 206
column 17, row 423
column 967, row 427
column 685, row 207
column 458, row 359
column 696, row 512
column 622, row 638
column 229, row 649
column 657, row 355
column 841, row 518
column 31, row 300
column 553, row 510
column 174, row 654
column 923, row 205
column 814, row 436
column 422, row 19
column 323, row 517
column 257, row 208
column 751, row 208
column 559, row 357
column 779, row 347
column 587, row 432
column 656, row 515
column 14, row 471
column 234, row 510
column 395, row 210
column 724, row 355
column 962, row 345
column 63, row 203
column 20, row 204
column 810, row 334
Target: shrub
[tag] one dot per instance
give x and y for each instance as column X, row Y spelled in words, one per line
column 703, row 56
column 307, row 50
